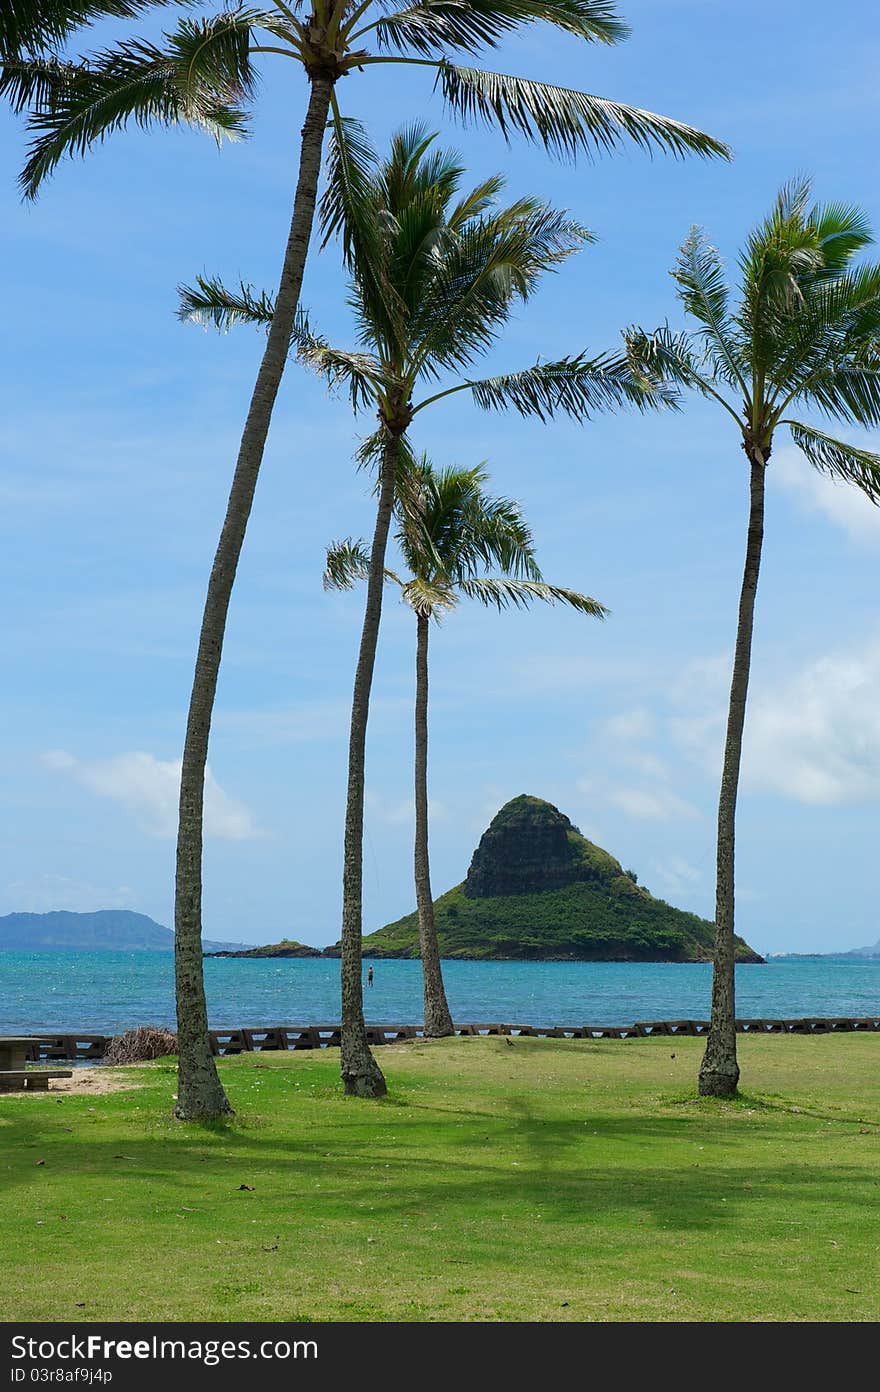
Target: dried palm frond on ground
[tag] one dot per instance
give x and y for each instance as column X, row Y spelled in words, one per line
column 140, row 1045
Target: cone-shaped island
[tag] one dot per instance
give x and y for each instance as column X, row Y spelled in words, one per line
column 539, row 890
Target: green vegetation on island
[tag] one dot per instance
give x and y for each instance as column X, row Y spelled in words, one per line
column 539, row 890
column 287, row 947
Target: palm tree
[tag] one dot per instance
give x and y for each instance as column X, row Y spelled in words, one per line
column 805, row 334
column 450, row 531
column 203, row 73
column 434, row 278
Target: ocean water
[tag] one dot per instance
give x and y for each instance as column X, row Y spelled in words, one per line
column 107, row 992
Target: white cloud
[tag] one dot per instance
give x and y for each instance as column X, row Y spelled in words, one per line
column 699, row 701
column 629, row 725
column 651, row 804
column 47, row 892
column 403, row 812
column 306, row 722
column 813, row 737
column 676, row 874
column 816, row 738
column 149, row 788
column 842, row 503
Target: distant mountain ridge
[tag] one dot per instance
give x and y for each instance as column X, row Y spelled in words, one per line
column 865, row 954
column 110, row 930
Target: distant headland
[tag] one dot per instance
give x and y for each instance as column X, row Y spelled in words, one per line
column 105, row 930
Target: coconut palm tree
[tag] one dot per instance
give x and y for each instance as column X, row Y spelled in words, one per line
column 204, row 73
column 804, row 334
column 434, row 278
column 451, row 530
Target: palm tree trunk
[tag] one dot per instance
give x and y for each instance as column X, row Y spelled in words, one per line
column 719, row 1071
column 438, row 1020
column 361, row 1074
column 199, row 1093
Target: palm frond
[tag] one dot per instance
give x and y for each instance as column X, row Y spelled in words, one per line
column 436, row 26
column 842, row 230
column 29, row 82
column 351, row 167
column 564, row 121
column 838, row 459
column 467, row 292
column 505, row 593
column 360, row 374
column 452, row 528
column 428, row 597
column 849, row 392
column 210, row 303
column 346, row 563
column 667, row 358
column 349, row 210
column 575, row 386
column 703, row 291
column 33, row 28
column 477, row 203
column 201, row 76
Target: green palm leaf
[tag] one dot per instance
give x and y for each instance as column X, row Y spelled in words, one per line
column 563, row 120
column 505, row 593
column 201, row 76
column 34, row 27
column 29, row 82
column 472, row 25
column 575, row 386
column 703, row 290
column 428, row 597
column 210, row 303
column 360, row 374
column 842, row 230
column 468, row 292
column 838, row 459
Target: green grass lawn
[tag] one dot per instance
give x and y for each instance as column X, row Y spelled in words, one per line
column 538, row 1180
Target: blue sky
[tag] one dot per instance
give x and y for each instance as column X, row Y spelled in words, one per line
column 118, row 437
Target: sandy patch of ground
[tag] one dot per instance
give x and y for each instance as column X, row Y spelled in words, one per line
column 96, row 1080
column 85, row 1081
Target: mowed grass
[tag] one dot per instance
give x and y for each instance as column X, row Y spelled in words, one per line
column 536, row 1180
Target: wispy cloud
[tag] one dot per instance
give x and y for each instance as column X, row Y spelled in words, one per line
column 652, row 804
column 816, row 738
column 402, row 812
column 843, row 504
column 636, row 724
column 149, row 788
column 676, row 874
column 813, row 736
column 45, row 893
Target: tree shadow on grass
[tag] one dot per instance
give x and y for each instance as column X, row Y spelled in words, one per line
column 521, row 1160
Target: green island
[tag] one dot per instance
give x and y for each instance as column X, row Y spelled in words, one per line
column 287, row 947
column 539, row 890
column 544, row 1180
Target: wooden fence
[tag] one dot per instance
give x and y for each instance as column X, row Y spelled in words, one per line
column 91, row 1047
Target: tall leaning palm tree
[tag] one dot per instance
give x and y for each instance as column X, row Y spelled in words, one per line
column 204, row 73
column 451, row 531
column 804, row 335
column 434, row 277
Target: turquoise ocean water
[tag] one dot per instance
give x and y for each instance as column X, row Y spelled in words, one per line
column 106, row 992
